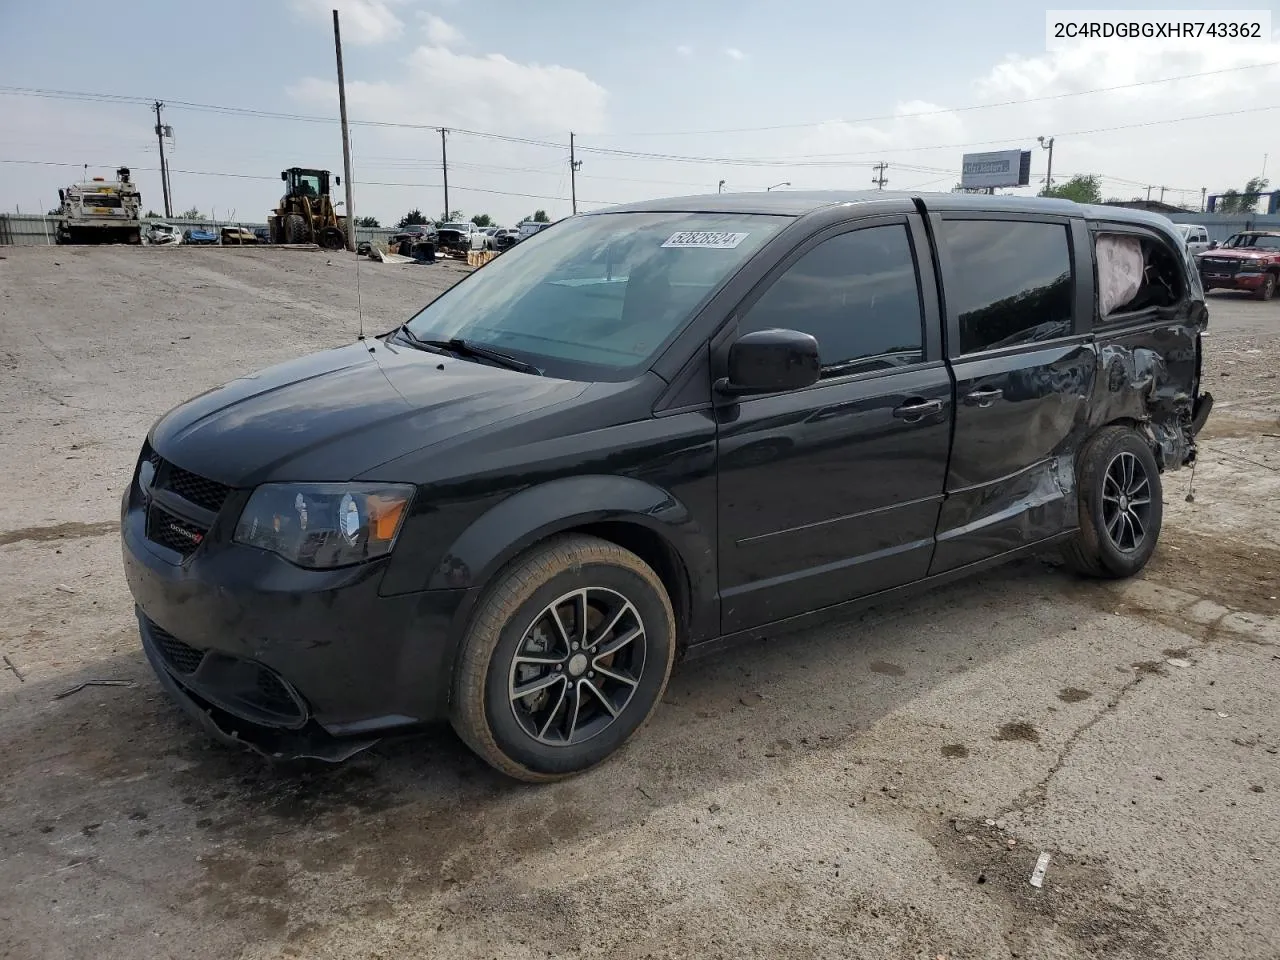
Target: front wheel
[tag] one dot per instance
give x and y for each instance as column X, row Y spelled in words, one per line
column 566, row 658
column 1121, row 504
column 1268, row 288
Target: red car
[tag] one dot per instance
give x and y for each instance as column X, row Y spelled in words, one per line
column 1247, row 261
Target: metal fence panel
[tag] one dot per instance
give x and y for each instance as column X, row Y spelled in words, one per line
column 26, row 230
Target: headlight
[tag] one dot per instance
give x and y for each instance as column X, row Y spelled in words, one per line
column 324, row 525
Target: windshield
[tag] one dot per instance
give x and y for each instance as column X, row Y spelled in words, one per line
column 595, row 298
column 1259, row 241
column 100, row 200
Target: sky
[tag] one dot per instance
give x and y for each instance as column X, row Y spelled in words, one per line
column 665, row 98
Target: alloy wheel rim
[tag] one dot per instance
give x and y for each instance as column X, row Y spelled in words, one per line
column 1126, row 502
column 577, row 666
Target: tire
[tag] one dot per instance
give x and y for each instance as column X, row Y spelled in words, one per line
column 295, row 228
column 532, row 737
column 332, row 238
column 1116, row 465
column 1268, row 288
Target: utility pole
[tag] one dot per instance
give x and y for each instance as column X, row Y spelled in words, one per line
column 1149, row 189
column 164, row 166
column 444, row 166
column 1162, row 190
column 1048, row 176
column 573, row 174
column 879, row 179
column 346, row 138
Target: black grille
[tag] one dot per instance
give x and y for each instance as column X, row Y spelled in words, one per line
column 182, row 658
column 203, row 493
column 272, row 695
column 173, row 532
column 1227, row 266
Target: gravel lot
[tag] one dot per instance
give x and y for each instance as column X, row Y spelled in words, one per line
column 878, row 788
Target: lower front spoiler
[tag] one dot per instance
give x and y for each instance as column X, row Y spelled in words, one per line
column 311, row 742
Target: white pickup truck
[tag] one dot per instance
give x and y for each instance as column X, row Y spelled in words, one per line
column 1197, row 237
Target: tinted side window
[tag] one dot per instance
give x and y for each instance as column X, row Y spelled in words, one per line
column 1011, row 281
column 856, row 293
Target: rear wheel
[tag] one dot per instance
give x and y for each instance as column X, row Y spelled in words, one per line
column 1121, row 504
column 1268, row 288
column 566, row 658
column 295, row 228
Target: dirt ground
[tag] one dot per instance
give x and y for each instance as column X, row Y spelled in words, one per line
column 879, row 788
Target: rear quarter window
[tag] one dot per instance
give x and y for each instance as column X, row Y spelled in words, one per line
column 1010, row 281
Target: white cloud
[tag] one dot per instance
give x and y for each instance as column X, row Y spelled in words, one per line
column 684, row 50
column 439, row 32
column 362, row 21
column 733, row 53
column 491, row 92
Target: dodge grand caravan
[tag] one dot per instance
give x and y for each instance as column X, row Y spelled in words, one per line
column 646, row 432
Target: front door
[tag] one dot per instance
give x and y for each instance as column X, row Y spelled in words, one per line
column 1024, row 367
column 832, row 492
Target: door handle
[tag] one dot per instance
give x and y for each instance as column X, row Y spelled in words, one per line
column 915, row 410
column 984, row 398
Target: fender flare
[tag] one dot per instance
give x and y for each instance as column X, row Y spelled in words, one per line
column 535, row 513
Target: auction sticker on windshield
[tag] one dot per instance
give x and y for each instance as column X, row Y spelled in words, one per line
column 708, row 240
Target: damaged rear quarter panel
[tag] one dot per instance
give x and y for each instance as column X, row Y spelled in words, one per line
column 1149, row 373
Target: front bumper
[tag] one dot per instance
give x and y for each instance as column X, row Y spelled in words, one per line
column 1231, row 281
column 291, row 662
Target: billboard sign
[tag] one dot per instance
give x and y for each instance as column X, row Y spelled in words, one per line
column 1003, row 168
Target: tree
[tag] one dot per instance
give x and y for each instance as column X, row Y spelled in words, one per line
column 1242, row 201
column 540, row 216
column 482, row 220
column 452, row 216
column 152, row 215
column 1082, row 188
column 413, row 218
column 367, row 222
column 192, row 214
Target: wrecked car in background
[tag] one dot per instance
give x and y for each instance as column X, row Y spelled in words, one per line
column 1247, row 261
column 650, row 432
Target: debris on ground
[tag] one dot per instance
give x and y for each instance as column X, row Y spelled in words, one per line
column 92, row 683
column 64, row 588
column 1042, row 867
column 14, row 668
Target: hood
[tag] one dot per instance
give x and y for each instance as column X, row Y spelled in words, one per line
column 1240, row 253
column 334, row 415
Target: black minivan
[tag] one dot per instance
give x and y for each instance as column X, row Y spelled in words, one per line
column 645, row 432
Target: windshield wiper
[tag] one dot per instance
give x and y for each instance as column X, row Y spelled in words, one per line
column 465, row 348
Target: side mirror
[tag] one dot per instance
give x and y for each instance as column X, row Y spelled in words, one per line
column 284, row 174
column 337, row 181
column 770, row 361
column 1213, row 244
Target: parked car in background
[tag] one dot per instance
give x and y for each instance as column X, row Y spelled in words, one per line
column 199, row 236
column 1247, row 261
column 517, row 509
column 505, row 238
column 413, row 233
column 1197, row 237
column 237, row 236
column 489, row 234
column 162, row 235
column 263, row 234
column 530, row 227
column 459, row 237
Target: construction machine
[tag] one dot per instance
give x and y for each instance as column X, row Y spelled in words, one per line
column 100, row 211
column 306, row 213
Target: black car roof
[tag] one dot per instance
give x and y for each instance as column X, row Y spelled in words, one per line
column 798, row 203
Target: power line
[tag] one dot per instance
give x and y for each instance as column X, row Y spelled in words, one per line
column 367, row 183
column 826, row 159
column 941, row 110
